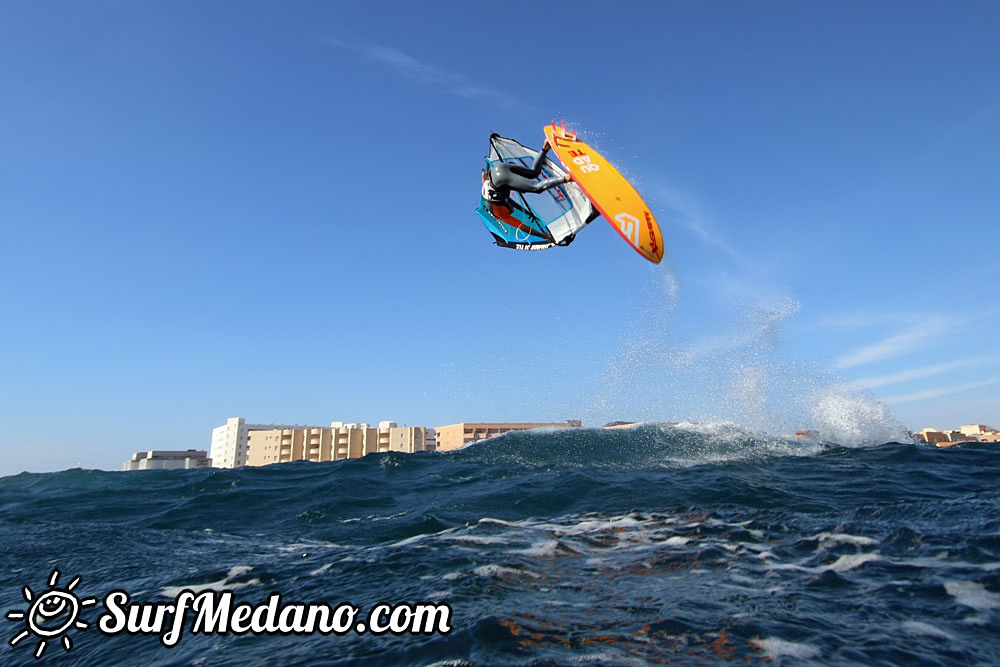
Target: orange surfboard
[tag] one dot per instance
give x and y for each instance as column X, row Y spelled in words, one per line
column 610, row 193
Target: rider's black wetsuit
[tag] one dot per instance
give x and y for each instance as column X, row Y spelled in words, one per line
column 506, row 176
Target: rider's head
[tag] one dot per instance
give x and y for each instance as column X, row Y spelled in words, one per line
column 490, row 193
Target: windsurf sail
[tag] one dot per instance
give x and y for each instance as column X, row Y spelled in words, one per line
column 534, row 221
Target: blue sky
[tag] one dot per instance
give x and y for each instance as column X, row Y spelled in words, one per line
column 267, row 210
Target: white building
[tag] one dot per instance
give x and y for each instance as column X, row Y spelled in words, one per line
column 977, row 430
column 158, row 459
column 229, row 441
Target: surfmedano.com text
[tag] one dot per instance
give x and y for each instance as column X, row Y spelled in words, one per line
column 214, row 612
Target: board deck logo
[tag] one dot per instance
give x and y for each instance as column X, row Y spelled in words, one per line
column 629, row 226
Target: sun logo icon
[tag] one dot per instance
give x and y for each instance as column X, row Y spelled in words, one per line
column 50, row 614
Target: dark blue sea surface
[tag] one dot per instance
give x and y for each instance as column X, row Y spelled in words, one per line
column 694, row 544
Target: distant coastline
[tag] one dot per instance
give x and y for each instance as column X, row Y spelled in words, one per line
column 964, row 434
column 236, row 444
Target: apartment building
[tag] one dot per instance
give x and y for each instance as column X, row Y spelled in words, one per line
column 229, row 441
column 161, row 459
column 933, row 435
column 341, row 440
column 458, row 435
column 967, row 433
column 981, row 432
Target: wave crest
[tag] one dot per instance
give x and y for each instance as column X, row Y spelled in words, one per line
column 643, row 445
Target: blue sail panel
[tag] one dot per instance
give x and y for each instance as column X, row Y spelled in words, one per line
column 518, row 229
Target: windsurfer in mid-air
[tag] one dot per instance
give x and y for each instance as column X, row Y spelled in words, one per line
column 503, row 177
column 528, row 201
column 532, row 202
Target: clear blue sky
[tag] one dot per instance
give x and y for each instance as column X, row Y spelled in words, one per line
column 267, row 210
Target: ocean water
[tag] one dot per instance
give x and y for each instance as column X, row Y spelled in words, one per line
column 694, row 544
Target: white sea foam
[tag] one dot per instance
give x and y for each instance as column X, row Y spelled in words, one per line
column 545, row 548
column 943, row 562
column 413, row 539
column 320, row 570
column 437, row 596
column 609, row 657
column 925, row 629
column 842, row 564
column 844, row 537
column 501, row 571
column 487, row 519
column 851, row 561
column 978, row 619
column 592, row 525
column 731, row 524
column 226, row 583
column 775, row 648
column 375, row 517
column 306, row 546
column 972, row 594
column 477, row 539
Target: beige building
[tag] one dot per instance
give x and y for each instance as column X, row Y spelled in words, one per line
column 967, row 433
column 341, row 440
column 161, row 459
column 229, row 441
column 458, row 435
column 981, row 432
column 934, row 435
column 409, row 439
